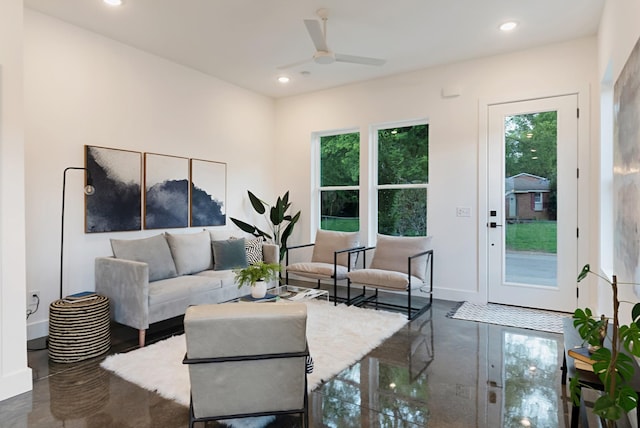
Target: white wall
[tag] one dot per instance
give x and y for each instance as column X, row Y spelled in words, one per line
column 15, row 376
column 618, row 34
column 81, row 88
column 454, row 138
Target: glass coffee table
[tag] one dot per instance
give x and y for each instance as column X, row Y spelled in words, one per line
column 289, row 292
column 295, row 293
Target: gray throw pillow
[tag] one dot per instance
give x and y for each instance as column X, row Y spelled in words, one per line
column 229, row 254
column 191, row 251
column 153, row 251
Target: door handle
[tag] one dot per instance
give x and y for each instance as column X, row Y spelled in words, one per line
column 493, row 225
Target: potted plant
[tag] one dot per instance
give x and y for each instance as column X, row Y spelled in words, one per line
column 614, row 368
column 256, row 276
column 281, row 223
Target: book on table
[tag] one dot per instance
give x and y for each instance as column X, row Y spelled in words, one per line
column 581, row 354
column 581, row 365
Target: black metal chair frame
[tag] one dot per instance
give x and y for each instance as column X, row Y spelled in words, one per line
column 304, row 411
column 363, row 299
column 336, row 299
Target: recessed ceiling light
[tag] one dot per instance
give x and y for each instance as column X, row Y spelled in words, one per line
column 283, row 79
column 508, row 26
column 113, row 2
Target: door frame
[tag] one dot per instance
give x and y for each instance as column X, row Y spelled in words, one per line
column 584, row 148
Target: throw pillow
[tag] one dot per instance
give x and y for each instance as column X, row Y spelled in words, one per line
column 191, row 252
column 229, row 254
column 153, row 251
column 328, row 242
column 253, row 248
column 391, row 253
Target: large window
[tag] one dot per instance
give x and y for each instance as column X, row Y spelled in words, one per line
column 403, row 178
column 339, row 182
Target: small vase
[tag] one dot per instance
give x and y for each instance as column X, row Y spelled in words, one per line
column 259, row 290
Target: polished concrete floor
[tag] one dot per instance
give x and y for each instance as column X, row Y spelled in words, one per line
column 434, row 372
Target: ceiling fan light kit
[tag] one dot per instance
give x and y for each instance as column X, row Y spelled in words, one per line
column 323, row 54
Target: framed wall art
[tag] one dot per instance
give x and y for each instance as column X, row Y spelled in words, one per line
column 208, row 193
column 626, row 167
column 166, row 191
column 117, row 176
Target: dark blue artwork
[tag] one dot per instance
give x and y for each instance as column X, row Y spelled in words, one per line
column 205, row 210
column 167, row 205
column 208, row 189
column 166, row 191
column 116, row 204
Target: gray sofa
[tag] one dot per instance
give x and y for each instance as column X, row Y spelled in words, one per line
column 157, row 278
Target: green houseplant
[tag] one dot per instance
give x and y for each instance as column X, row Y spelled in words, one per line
column 255, row 274
column 614, row 368
column 280, row 223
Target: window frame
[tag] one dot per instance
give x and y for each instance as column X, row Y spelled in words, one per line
column 317, row 189
column 373, row 172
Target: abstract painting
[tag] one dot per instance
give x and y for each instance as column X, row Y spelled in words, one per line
column 208, row 191
column 626, row 171
column 116, row 176
column 166, row 197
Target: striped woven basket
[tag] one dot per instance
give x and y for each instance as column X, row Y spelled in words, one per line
column 79, row 329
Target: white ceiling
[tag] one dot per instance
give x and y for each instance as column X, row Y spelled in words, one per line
column 244, row 41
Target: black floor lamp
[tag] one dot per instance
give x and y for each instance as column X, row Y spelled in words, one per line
column 88, row 190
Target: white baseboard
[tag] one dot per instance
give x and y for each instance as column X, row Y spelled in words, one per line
column 37, row 329
column 16, row 383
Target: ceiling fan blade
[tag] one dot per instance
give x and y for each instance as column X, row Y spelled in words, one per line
column 294, row 64
column 359, row 59
column 317, row 36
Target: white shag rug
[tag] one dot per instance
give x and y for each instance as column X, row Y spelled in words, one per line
column 511, row 316
column 338, row 336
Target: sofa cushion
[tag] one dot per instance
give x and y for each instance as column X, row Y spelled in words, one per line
column 153, row 251
column 180, row 288
column 384, row 279
column 229, row 254
column 317, row 270
column 391, row 253
column 253, row 248
column 328, row 242
column 191, row 252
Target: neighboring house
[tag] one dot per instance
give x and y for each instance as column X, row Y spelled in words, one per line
column 526, row 197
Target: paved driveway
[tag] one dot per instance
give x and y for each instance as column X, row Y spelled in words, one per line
column 531, row 268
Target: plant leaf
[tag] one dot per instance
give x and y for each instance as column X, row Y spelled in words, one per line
column 635, row 314
column 607, row 408
column 256, row 203
column 628, row 398
column 584, row 272
column 246, row 227
column 630, row 338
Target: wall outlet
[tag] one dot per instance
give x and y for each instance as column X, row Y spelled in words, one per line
column 463, row 212
column 33, row 297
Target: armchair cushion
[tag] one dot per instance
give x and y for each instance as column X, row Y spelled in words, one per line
column 153, row 251
column 384, row 279
column 317, row 270
column 391, row 254
column 191, row 252
column 328, row 242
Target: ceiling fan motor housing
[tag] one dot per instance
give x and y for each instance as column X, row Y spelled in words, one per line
column 324, row 57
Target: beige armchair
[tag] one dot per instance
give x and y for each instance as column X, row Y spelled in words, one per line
column 399, row 263
column 330, row 258
column 246, row 359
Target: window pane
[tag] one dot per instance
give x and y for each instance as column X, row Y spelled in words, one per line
column 403, row 155
column 340, row 160
column 402, row 212
column 339, row 210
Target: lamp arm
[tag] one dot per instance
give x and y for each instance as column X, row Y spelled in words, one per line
column 64, row 186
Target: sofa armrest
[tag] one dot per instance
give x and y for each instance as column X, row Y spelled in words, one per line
column 270, row 253
column 126, row 284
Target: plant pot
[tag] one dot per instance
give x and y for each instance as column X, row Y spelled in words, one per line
column 259, row 290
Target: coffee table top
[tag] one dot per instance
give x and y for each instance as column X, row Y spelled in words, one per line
column 295, row 293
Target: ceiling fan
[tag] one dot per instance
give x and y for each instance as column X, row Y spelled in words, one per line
column 323, row 54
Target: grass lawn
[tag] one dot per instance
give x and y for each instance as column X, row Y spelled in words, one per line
column 340, row 224
column 533, row 236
